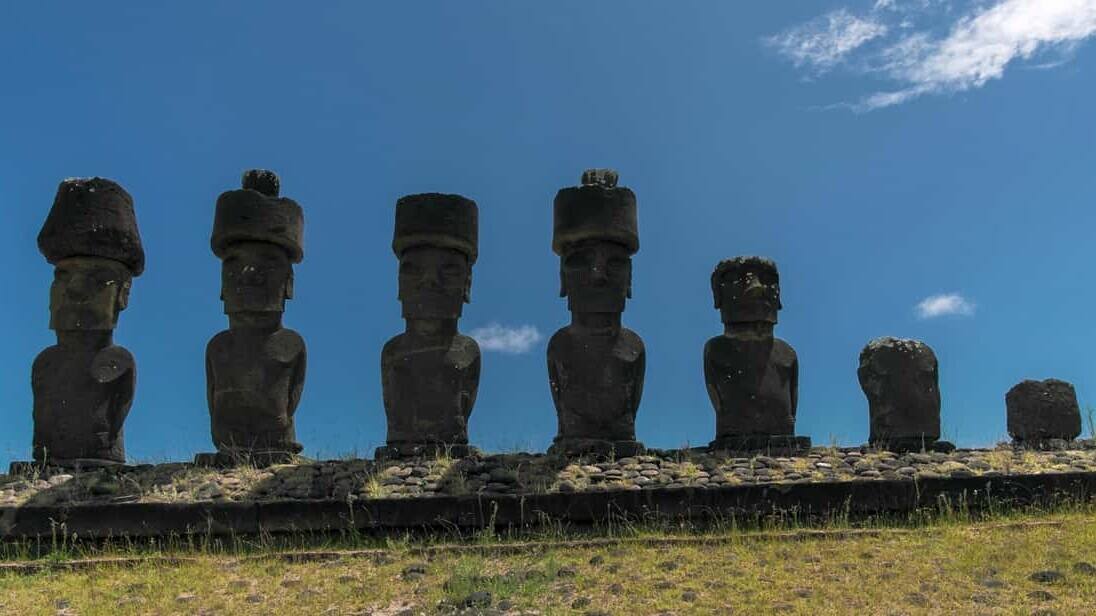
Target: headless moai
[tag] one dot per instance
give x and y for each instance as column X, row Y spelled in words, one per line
column 752, row 377
column 900, row 379
column 430, row 373
column 255, row 369
column 1042, row 412
column 595, row 365
column 83, row 386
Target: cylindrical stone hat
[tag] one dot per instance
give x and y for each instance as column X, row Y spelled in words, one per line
column 255, row 213
column 439, row 220
column 92, row 217
column 597, row 210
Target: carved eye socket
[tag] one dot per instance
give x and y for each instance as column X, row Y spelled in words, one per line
column 409, row 269
column 452, row 270
column 577, row 260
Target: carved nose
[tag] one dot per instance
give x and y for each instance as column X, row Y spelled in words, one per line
column 77, row 290
column 755, row 289
column 252, row 276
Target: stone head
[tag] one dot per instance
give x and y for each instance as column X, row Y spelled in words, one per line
column 91, row 239
column 258, row 235
column 255, row 277
column 88, row 293
column 436, row 241
column 896, row 369
column 434, row 282
column 747, row 290
column 595, row 233
column 596, row 276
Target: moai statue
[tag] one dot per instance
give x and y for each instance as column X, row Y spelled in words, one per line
column 255, row 369
column 83, row 386
column 596, row 366
column 1041, row 412
column 752, row 376
column 430, row 373
column 900, row 378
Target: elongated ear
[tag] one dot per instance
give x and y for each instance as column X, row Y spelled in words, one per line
column 289, row 285
column 123, row 295
column 628, row 292
column 562, row 283
column 468, row 287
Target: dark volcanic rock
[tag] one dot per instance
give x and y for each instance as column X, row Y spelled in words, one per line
column 595, row 365
column 1043, row 410
column 83, row 386
column 1049, row 576
column 255, row 370
column 900, row 379
column 430, row 373
column 752, row 377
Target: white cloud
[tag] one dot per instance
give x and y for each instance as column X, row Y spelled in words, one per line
column 980, row 46
column 512, row 340
column 825, row 41
column 972, row 49
column 943, row 305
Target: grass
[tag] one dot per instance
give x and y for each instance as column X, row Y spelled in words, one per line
column 944, row 561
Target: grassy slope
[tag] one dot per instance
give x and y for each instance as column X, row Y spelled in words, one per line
column 944, row 566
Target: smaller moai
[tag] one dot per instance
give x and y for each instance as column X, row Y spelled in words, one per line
column 83, row 386
column 595, row 365
column 900, row 379
column 1042, row 414
column 255, row 370
column 430, row 373
column 752, row 377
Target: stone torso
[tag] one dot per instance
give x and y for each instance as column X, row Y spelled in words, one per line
column 429, row 387
column 81, row 399
column 752, row 384
column 596, row 382
column 254, row 382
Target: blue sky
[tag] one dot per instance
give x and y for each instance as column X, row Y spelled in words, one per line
column 882, row 152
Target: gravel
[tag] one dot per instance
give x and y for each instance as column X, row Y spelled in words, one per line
column 354, row 479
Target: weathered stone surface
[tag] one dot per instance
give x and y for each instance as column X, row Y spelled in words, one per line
column 900, row 379
column 256, row 213
column 92, row 217
column 430, row 373
column 255, row 370
column 1042, row 410
column 83, row 386
column 752, row 377
column 525, row 474
column 105, row 513
column 595, row 365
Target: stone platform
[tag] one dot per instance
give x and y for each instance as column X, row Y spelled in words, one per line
column 455, row 491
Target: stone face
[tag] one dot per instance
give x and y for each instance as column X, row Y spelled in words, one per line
column 430, row 373
column 83, row 386
column 255, row 370
column 595, row 365
column 1043, row 410
column 752, row 377
column 900, row 379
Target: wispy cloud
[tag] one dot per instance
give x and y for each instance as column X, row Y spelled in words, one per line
column 934, row 50
column 824, row 41
column 503, row 339
column 943, row 305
